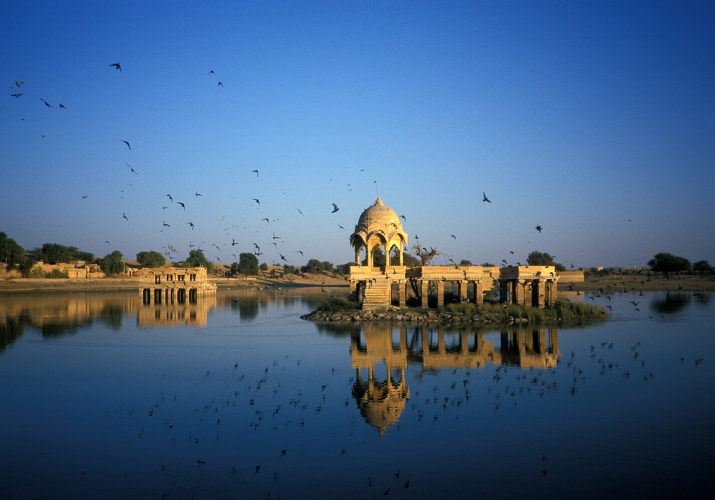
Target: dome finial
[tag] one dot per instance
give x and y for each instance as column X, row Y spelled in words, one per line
column 378, row 201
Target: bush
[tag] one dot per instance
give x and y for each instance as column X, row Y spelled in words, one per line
column 264, row 267
column 338, row 304
column 56, row 274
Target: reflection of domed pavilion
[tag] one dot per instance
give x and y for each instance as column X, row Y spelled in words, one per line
column 380, row 403
column 379, row 227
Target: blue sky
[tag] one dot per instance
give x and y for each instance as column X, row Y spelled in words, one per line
column 594, row 119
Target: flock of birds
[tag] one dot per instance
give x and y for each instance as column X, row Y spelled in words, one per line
column 170, row 249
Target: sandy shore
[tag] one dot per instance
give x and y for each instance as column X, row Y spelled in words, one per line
column 31, row 285
column 613, row 283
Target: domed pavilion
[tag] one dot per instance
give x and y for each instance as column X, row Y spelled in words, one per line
column 381, row 287
column 378, row 227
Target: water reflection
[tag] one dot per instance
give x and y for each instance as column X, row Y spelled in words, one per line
column 671, row 303
column 253, row 403
column 57, row 315
column 382, row 399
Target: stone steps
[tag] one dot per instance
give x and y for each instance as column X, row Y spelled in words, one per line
column 377, row 295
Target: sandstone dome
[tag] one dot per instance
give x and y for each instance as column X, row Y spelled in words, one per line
column 378, row 225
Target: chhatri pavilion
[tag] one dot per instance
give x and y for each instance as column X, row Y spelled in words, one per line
column 382, row 287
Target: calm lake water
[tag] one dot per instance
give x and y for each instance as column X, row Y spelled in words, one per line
column 237, row 397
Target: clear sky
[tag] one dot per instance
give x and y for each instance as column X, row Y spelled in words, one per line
column 594, row 119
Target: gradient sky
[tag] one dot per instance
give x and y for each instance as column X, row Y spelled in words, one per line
column 594, row 119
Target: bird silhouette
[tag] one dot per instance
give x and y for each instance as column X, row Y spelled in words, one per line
column 538, row 227
column 256, row 171
column 170, row 198
column 198, row 194
column 453, row 236
column 298, row 209
column 130, row 168
column 184, row 206
column 257, row 201
column 191, row 224
column 335, row 208
column 19, row 83
column 403, row 218
column 220, row 84
column 16, row 95
column 300, row 252
column 116, row 65
column 211, row 72
column 62, row 106
column 485, row 197
column 125, row 142
column 163, row 223
column 125, row 216
column 46, row 103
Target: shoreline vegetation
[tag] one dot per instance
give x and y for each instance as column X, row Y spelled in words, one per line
column 342, row 309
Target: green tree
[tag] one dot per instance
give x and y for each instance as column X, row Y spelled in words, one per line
column 26, row 265
column 151, row 259
column 112, row 263
column 247, row 264
column 11, row 253
column 465, row 262
column 668, row 263
column 702, row 267
column 410, row 260
column 344, row 269
column 52, row 253
column 540, row 259
column 198, row 259
column 316, row 266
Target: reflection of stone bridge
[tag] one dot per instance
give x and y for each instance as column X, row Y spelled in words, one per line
column 381, row 401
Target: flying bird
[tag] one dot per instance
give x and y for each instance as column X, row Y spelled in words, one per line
column 130, row 168
column 46, row 103
column 116, row 65
column 341, row 227
column 211, row 72
column 257, row 201
column 538, row 227
column 220, row 84
column 453, row 236
column 191, row 224
column 19, row 83
column 16, row 95
column 233, row 242
column 298, row 209
column 255, row 171
column 170, row 198
column 485, row 197
column 403, row 218
column 165, row 224
column 125, row 142
column 62, row 106
column 125, row 216
column 84, row 197
column 198, row 194
column 300, row 252
column 335, row 208
column 184, row 206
